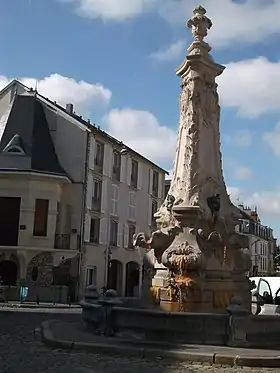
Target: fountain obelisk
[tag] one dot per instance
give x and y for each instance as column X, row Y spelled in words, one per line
column 200, row 259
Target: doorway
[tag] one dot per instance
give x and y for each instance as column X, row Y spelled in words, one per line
column 8, row 272
column 115, row 275
column 132, row 279
column 9, row 220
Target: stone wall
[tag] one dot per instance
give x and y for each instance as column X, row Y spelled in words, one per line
column 229, row 329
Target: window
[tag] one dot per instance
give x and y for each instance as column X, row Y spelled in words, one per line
column 155, row 183
column 132, row 206
column 96, row 195
column 113, row 233
column 116, row 165
column 154, row 210
column 41, row 217
column 94, row 230
column 91, row 276
column 131, row 233
column 134, row 174
column 99, row 155
column 264, row 287
column 15, row 149
column 15, row 146
column 115, row 200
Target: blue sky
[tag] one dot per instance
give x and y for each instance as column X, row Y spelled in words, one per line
column 116, row 63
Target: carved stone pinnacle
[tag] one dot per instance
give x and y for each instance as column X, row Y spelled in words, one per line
column 199, row 23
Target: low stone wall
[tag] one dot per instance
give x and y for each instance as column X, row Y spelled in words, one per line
column 230, row 329
column 256, row 331
column 175, row 327
column 199, row 328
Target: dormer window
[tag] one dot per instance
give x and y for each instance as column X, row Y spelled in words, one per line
column 15, row 146
column 14, row 150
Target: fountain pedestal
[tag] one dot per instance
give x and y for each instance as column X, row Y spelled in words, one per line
column 200, row 259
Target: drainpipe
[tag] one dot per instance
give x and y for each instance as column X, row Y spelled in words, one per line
column 82, row 225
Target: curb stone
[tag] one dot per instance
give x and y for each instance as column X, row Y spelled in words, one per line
column 210, row 358
column 132, row 351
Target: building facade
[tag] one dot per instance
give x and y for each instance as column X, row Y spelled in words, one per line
column 124, row 190
column 262, row 242
column 64, row 207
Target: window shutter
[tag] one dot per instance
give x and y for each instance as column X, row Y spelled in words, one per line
column 87, row 227
column 150, row 210
column 116, row 200
column 103, row 231
column 112, row 200
column 151, row 181
column 91, row 153
column 89, row 191
column 108, row 160
column 123, row 176
column 161, row 180
column 120, row 235
column 125, row 238
column 129, row 167
column 104, row 196
column 133, row 206
column 140, row 176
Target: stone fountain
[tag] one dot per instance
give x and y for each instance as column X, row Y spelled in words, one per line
column 199, row 259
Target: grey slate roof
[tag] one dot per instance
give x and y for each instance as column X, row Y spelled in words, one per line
column 92, row 127
column 27, row 128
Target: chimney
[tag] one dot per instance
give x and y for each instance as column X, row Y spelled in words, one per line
column 69, row 108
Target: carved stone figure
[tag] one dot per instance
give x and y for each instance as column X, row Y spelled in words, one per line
column 196, row 237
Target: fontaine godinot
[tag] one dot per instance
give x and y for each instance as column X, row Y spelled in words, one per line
column 200, row 261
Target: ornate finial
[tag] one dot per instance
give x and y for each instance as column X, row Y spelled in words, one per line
column 199, row 23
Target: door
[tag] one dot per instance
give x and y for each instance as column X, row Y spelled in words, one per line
column 277, row 298
column 9, row 220
column 264, row 291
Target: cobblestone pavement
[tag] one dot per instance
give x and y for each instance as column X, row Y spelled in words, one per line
column 19, row 351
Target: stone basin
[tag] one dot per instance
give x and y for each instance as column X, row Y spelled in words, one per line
column 227, row 329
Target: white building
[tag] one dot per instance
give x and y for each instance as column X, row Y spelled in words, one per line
column 262, row 242
column 124, row 190
column 71, row 197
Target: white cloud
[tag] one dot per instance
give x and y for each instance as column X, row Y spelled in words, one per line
column 252, row 86
column 240, row 139
column 242, row 173
column 142, row 131
column 273, row 139
column 238, row 171
column 64, row 90
column 234, row 193
column 266, row 201
column 247, row 22
column 108, row 10
column 251, row 21
column 171, row 52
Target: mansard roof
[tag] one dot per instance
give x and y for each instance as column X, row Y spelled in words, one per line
column 26, row 143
